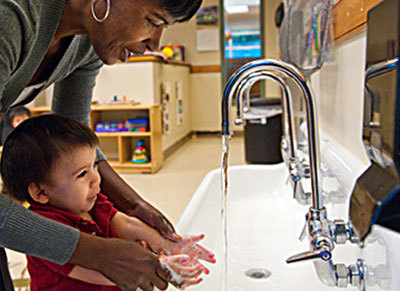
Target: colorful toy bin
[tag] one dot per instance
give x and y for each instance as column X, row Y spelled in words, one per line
column 110, row 127
column 132, row 125
column 137, row 125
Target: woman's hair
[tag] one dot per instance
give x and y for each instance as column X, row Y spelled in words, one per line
column 182, row 10
column 32, row 148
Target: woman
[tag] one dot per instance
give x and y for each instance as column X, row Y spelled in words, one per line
column 65, row 42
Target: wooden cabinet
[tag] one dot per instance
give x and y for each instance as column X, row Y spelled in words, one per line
column 118, row 147
column 350, row 16
column 142, row 80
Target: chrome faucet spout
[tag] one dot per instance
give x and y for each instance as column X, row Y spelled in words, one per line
column 244, row 89
column 274, row 69
column 380, row 68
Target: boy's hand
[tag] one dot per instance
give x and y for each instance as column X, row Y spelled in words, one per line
column 188, row 245
column 184, row 273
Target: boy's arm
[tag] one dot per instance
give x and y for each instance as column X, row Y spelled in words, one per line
column 133, row 229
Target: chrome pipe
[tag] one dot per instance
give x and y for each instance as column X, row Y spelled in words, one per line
column 380, row 68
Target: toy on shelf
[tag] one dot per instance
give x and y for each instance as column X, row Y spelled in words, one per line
column 137, row 125
column 173, row 52
column 124, row 101
column 140, row 154
column 131, row 125
column 110, row 127
column 168, row 52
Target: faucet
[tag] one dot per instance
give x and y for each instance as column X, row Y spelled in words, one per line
column 277, row 71
column 321, row 243
column 322, row 232
column 241, row 82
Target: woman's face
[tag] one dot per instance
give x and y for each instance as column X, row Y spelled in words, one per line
column 131, row 27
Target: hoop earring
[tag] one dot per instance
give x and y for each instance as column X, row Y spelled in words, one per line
column 100, row 20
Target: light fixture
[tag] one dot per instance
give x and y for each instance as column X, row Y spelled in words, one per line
column 236, row 9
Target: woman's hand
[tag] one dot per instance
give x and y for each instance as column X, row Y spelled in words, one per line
column 124, row 262
column 155, row 219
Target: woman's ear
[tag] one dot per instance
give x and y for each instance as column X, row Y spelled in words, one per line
column 38, row 193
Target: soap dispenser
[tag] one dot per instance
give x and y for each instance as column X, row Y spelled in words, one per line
column 375, row 198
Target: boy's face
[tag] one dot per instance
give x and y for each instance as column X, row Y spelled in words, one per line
column 18, row 119
column 75, row 181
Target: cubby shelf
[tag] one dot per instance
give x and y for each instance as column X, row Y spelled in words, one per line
column 123, row 143
column 113, row 134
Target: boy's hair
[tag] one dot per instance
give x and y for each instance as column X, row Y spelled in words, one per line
column 182, row 10
column 17, row 111
column 32, row 148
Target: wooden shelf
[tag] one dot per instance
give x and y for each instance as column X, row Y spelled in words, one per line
column 119, row 107
column 124, row 142
column 129, row 167
column 116, row 134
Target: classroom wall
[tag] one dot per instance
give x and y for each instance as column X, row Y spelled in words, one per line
column 206, row 88
column 339, row 89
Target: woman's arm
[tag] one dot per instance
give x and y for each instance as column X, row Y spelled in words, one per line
column 89, row 276
column 27, row 232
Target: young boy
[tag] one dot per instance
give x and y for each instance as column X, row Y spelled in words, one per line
column 12, row 118
column 51, row 162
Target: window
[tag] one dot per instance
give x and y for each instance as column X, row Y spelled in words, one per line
column 243, row 44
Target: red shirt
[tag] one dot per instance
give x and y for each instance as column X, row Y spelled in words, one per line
column 46, row 275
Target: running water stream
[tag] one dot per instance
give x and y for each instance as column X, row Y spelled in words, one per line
column 224, row 182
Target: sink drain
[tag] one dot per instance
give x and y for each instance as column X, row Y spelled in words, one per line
column 258, row 273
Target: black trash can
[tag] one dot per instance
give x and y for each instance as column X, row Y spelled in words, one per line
column 263, row 131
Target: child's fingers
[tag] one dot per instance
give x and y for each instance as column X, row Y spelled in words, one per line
column 182, row 265
column 193, row 238
column 199, row 252
column 193, row 274
column 191, row 282
column 206, row 271
column 205, row 254
column 175, row 259
column 187, row 271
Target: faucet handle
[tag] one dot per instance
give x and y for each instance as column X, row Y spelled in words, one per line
column 322, row 252
column 303, row 233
